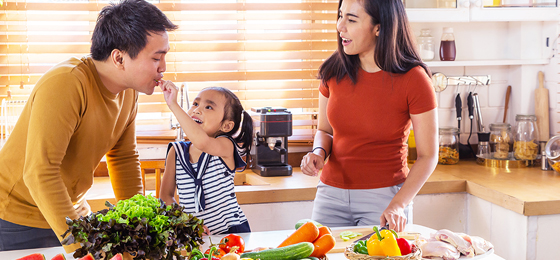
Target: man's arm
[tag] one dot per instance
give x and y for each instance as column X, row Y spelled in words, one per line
column 55, row 114
column 124, row 165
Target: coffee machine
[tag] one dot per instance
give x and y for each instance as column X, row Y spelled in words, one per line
column 270, row 146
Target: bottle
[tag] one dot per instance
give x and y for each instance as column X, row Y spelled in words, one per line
column 483, row 145
column 412, row 155
column 448, row 145
column 426, row 45
column 447, row 47
column 501, row 140
column 525, row 138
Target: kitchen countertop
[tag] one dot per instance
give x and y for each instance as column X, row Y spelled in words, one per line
column 252, row 240
column 527, row 191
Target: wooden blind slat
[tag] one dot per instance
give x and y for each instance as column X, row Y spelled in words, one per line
column 267, row 53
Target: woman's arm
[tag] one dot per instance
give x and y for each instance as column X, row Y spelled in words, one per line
column 168, row 184
column 425, row 132
column 313, row 162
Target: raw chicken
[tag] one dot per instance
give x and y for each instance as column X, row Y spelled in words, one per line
column 433, row 249
column 479, row 244
column 455, row 240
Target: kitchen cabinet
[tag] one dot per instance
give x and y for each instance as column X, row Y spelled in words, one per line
column 477, row 10
column 511, row 44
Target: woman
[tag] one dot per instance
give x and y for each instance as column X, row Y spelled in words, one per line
column 372, row 88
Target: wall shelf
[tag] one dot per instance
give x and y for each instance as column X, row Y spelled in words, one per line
column 464, row 63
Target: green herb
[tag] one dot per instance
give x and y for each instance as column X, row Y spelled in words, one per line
column 142, row 226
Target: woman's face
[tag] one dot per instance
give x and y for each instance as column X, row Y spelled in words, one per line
column 356, row 29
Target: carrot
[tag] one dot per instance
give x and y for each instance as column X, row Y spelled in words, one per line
column 323, row 231
column 323, row 245
column 308, row 232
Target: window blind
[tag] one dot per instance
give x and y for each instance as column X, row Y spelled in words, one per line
column 266, row 51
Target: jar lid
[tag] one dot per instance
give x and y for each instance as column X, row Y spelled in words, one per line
column 500, row 126
column 425, row 31
column 447, row 29
column 448, row 130
column 525, row 117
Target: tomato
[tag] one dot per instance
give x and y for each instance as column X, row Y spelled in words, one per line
column 230, row 241
column 218, row 252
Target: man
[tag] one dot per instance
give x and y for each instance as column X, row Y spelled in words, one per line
column 79, row 111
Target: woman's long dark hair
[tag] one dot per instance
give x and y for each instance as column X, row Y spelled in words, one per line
column 395, row 50
column 244, row 124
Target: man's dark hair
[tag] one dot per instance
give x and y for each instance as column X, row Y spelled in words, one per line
column 125, row 26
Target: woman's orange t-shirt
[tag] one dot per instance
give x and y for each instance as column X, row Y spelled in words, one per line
column 371, row 122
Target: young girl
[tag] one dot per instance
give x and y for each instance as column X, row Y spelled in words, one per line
column 203, row 168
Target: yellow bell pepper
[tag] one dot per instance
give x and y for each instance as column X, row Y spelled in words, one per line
column 385, row 245
column 374, row 246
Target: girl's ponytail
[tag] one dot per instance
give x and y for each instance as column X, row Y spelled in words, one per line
column 245, row 133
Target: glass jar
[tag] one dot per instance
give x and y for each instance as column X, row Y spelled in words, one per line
column 447, row 49
column 448, row 145
column 426, row 45
column 501, row 140
column 525, row 137
column 552, row 151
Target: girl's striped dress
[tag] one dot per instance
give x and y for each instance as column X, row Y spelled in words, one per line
column 206, row 188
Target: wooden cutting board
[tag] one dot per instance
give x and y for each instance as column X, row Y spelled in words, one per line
column 341, row 245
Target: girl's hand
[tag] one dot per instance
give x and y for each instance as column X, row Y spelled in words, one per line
column 206, row 230
column 311, row 164
column 169, row 91
column 393, row 216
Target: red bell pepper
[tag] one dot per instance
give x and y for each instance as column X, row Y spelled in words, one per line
column 404, row 246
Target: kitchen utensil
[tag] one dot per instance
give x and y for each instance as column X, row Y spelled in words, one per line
column 542, row 109
column 478, row 113
column 459, row 110
column 508, row 94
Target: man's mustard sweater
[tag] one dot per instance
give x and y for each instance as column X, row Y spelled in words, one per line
column 69, row 123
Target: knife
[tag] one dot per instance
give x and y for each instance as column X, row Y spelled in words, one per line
column 366, row 237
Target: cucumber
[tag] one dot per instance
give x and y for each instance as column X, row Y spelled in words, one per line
column 291, row 252
column 305, row 220
column 310, row 258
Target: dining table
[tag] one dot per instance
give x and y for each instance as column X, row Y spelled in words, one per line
column 259, row 239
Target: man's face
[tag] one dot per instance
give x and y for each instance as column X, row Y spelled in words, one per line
column 143, row 72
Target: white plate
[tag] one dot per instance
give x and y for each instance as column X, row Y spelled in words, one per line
column 488, row 253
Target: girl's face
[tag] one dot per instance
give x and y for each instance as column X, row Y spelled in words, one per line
column 208, row 110
column 355, row 28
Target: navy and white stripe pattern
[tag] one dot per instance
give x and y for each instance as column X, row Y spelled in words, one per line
column 210, row 195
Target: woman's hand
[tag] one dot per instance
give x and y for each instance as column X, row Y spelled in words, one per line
column 311, row 164
column 393, row 216
column 169, row 91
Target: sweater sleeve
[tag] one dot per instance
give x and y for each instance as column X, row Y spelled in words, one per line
column 123, row 163
column 56, row 108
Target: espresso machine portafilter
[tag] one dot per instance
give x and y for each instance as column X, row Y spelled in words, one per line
column 270, row 146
